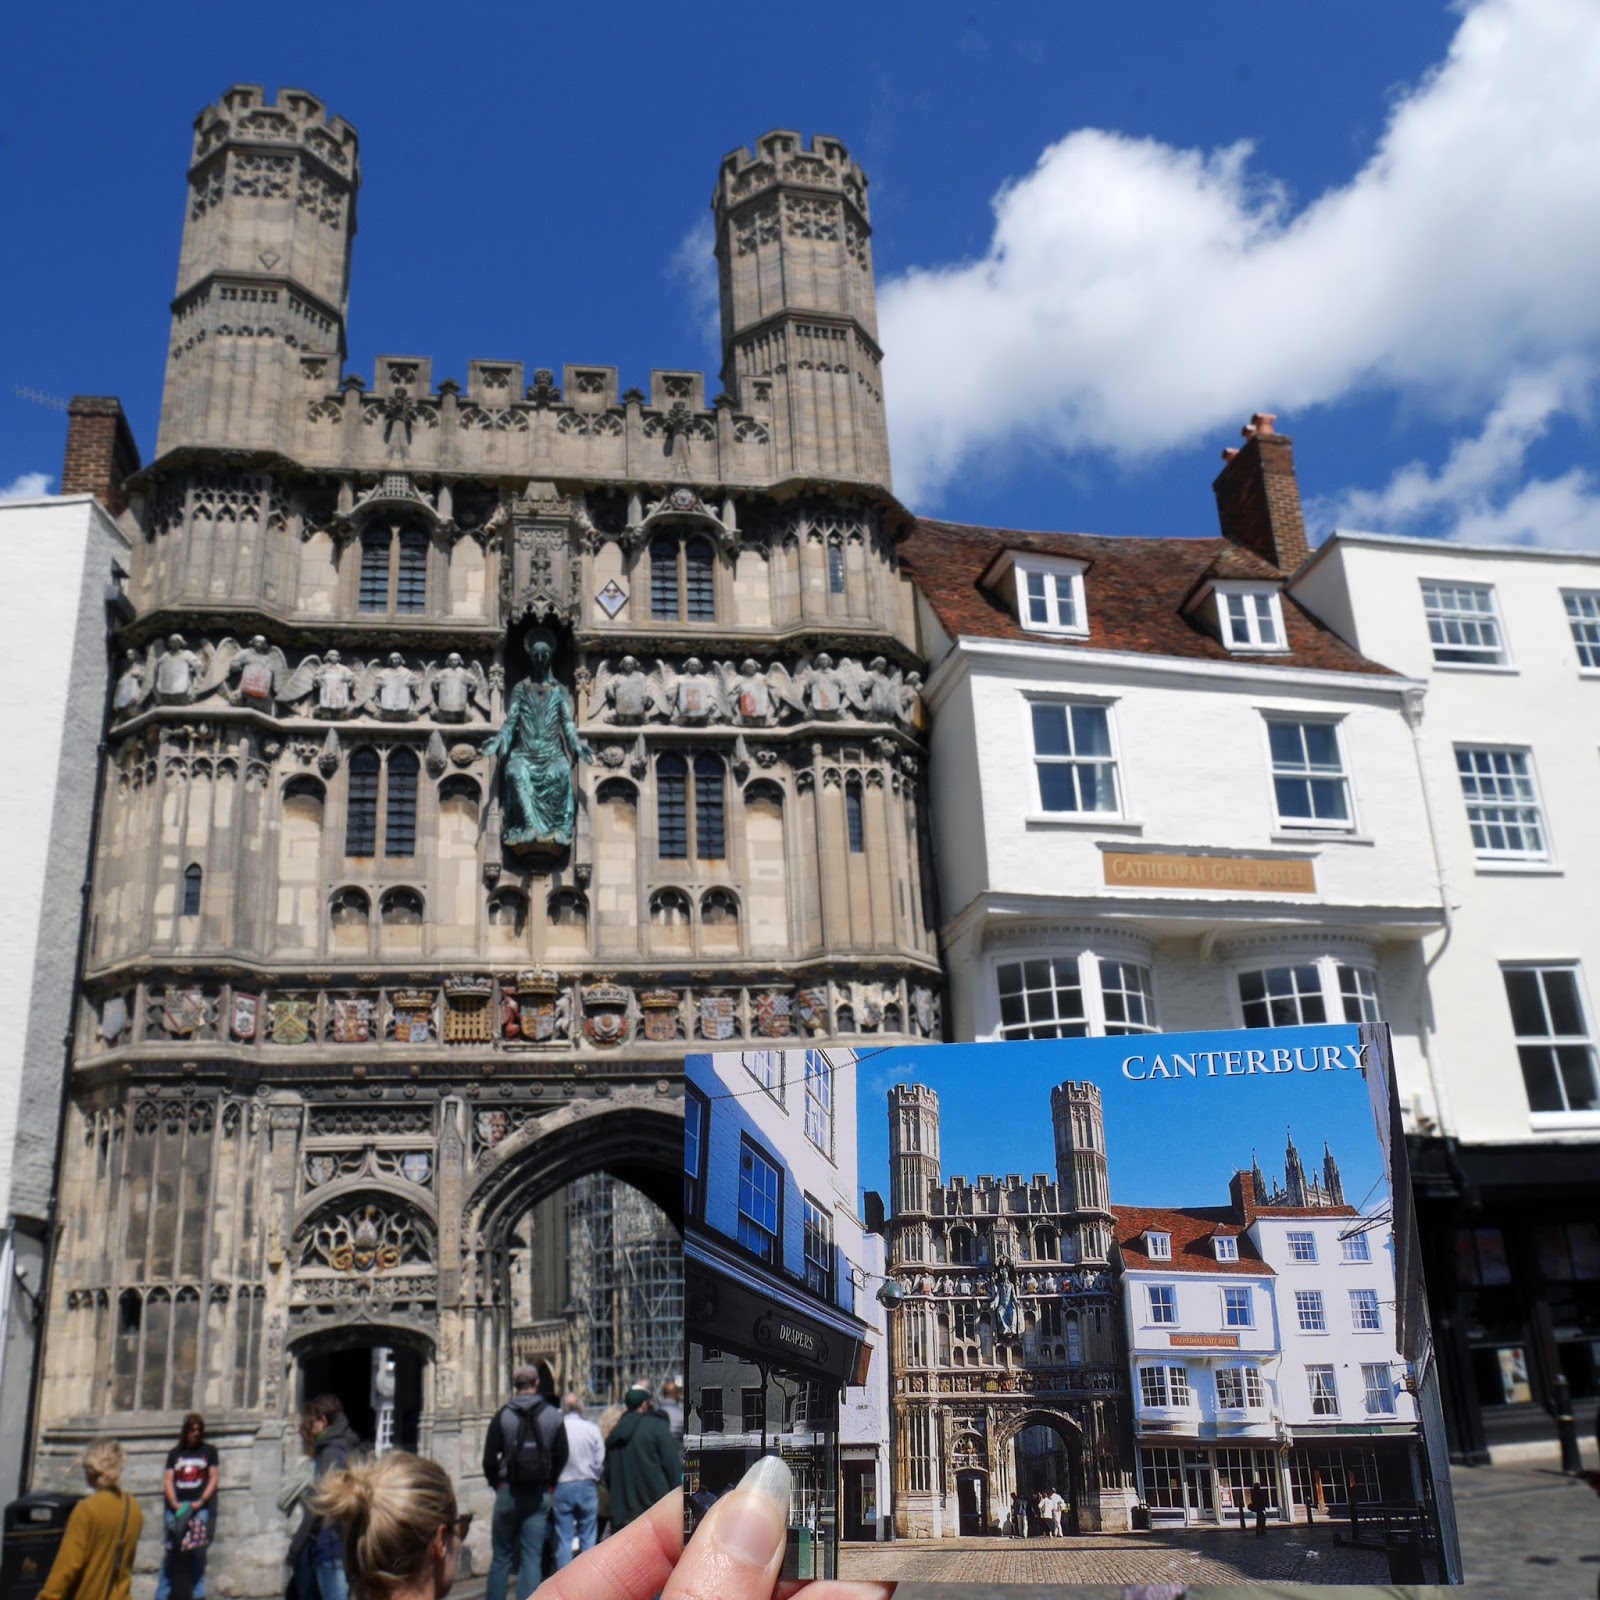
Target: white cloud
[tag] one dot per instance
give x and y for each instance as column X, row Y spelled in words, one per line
column 1479, row 492
column 27, row 486
column 1135, row 297
column 693, row 264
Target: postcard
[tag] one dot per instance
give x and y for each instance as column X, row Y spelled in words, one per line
column 1135, row 1309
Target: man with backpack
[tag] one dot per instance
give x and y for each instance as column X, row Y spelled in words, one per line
column 523, row 1455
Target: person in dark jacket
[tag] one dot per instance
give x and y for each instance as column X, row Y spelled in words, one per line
column 336, row 1445
column 521, row 1508
column 642, row 1461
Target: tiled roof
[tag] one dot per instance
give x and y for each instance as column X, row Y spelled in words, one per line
column 1192, row 1230
column 1135, row 588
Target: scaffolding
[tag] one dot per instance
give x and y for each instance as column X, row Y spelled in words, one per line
column 601, row 1294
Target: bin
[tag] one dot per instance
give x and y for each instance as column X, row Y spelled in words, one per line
column 34, row 1526
column 1139, row 1518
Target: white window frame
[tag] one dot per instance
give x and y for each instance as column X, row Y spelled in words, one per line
column 1242, row 627
column 1037, row 811
column 1054, row 573
column 1232, row 1313
column 767, row 1067
column 1091, row 987
column 1552, row 1041
column 1443, row 615
column 1170, row 1382
column 1356, row 1248
column 1330, row 987
column 1582, row 607
column 1157, row 1308
column 1310, row 1308
column 1521, row 809
column 1377, row 1381
column 1364, row 1303
column 1291, row 1241
column 1252, row 1392
column 1309, row 773
column 1322, row 1377
column 1158, row 1246
column 1225, row 1247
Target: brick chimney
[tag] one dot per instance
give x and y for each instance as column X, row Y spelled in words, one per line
column 1258, row 496
column 101, row 453
column 1242, row 1192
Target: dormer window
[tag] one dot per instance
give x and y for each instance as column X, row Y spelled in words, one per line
column 1250, row 616
column 1158, row 1246
column 1050, row 596
column 1227, row 1247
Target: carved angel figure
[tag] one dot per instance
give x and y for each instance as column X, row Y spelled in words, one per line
column 749, row 694
column 883, row 689
column 132, row 685
column 626, row 693
column 395, row 687
column 260, row 667
column 911, row 698
column 455, row 686
column 332, row 680
column 698, row 695
column 178, row 670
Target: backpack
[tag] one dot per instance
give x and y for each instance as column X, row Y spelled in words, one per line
column 524, row 1454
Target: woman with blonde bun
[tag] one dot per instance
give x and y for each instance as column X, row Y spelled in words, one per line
column 95, row 1561
column 401, row 1530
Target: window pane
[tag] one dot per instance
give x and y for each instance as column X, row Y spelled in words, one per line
column 1540, row 1078
column 1527, row 1005
column 1038, row 606
column 664, row 578
column 1284, row 739
column 1583, row 614
column 1561, row 998
column 835, row 569
column 1057, row 790
column 1091, row 731
column 854, row 825
column 699, row 568
column 361, row 813
column 1050, row 731
column 374, row 591
column 1322, row 748
column 708, row 808
column 1066, row 603
column 672, row 807
column 400, row 811
column 411, row 580
column 1041, row 999
column 1576, row 1062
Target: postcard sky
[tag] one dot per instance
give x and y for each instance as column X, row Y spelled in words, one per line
column 1172, row 1142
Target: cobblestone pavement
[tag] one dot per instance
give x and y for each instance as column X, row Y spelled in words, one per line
column 1527, row 1533
column 1192, row 1556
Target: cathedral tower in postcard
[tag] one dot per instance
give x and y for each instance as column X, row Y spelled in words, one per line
column 481, row 744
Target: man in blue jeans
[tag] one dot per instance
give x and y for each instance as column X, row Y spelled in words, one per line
column 577, row 1498
column 523, row 1456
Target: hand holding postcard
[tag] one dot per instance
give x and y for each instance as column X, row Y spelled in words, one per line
column 1065, row 1311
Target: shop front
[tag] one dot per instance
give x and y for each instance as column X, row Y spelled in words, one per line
column 767, row 1366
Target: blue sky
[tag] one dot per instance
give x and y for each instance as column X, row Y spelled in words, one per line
column 1169, row 1142
column 1103, row 235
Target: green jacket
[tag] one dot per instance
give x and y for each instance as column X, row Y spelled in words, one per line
column 641, row 1465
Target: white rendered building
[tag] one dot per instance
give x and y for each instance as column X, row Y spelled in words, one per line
column 56, row 625
column 1262, row 1343
column 1507, row 1174
column 1164, row 796
column 773, row 1252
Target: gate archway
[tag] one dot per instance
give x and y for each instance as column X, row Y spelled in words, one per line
column 1039, row 1450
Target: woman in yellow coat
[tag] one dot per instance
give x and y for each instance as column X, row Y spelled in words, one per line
column 95, row 1561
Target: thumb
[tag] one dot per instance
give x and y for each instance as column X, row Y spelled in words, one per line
column 738, row 1549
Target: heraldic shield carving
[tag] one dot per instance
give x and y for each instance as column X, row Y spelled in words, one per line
column 539, row 578
column 605, row 1014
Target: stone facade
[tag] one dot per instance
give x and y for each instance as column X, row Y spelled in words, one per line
column 986, row 1401
column 336, row 1035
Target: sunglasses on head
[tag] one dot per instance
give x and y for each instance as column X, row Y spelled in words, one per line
column 461, row 1525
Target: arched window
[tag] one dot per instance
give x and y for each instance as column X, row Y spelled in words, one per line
column 566, row 908
column 835, row 568
column 459, row 790
column 361, row 812
column 719, row 908
column 508, row 909
column 401, row 908
column 669, row 908
column 191, row 889
column 394, row 570
column 854, row 822
column 400, row 810
column 307, row 790
column 672, row 807
column 1045, row 1244
column 709, row 831
column 683, row 579
column 349, row 908
column 960, row 1245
